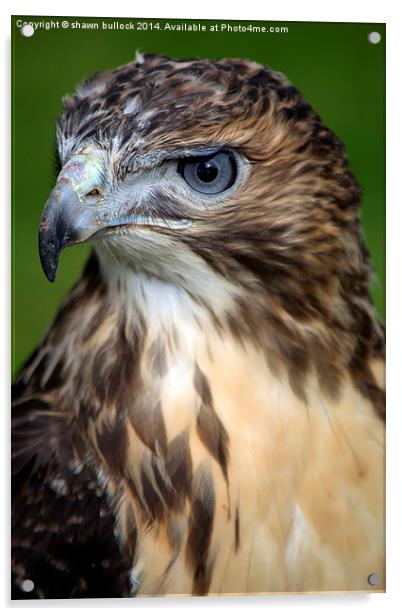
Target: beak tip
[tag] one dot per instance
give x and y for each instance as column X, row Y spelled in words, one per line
column 50, row 275
column 49, row 258
column 49, row 269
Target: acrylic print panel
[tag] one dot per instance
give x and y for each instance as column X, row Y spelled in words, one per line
column 199, row 395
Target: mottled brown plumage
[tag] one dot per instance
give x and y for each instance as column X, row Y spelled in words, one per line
column 216, row 375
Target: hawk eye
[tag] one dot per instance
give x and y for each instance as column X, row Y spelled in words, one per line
column 209, row 174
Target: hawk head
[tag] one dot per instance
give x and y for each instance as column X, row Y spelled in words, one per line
column 217, row 174
column 218, row 157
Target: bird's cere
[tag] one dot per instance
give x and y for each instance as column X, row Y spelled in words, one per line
column 84, row 171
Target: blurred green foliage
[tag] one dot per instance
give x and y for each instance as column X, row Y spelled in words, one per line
column 339, row 72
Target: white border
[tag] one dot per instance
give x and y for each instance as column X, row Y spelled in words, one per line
column 293, row 10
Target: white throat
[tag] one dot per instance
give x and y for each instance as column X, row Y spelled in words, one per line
column 180, row 290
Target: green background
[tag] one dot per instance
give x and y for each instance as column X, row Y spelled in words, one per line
column 339, row 72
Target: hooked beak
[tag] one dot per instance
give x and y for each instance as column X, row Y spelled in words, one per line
column 71, row 215
column 65, row 221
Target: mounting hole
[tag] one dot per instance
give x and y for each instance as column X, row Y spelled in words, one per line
column 27, row 30
column 373, row 579
column 374, row 38
column 27, row 586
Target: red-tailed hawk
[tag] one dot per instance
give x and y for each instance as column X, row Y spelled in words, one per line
column 205, row 414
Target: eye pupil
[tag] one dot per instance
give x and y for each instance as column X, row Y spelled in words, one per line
column 207, row 171
column 209, row 175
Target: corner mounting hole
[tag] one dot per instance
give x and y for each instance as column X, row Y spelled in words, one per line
column 27, row 586
column 373, row 579
column 27, row 30
column 374, row 38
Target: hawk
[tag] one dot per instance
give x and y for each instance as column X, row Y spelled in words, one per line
column 205, row 414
